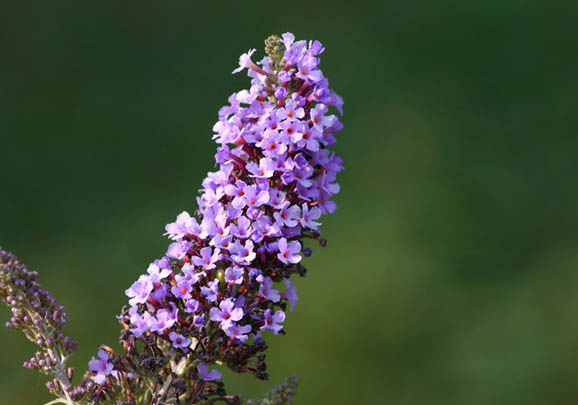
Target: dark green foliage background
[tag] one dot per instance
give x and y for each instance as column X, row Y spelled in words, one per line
column 450, row 276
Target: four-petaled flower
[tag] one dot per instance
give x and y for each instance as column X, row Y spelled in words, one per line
column 182, row 289
column 101, row 366
column 226, row 314
column 139, row 291
column 179, row 341
column 264, row 169
column 267, row 291
column 273, row 320
column 211, row 291
column 238, row 332
column 289, row 251
column 242, row 254
column 205, row 375
column 207, row 259
column 234, row 275
column 255, row 198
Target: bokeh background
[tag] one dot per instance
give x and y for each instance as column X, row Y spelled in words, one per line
column 450, row 275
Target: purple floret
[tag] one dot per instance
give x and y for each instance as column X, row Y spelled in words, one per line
column 101, row 366
column 204, row 373
column 273, row 320
column 226, row 314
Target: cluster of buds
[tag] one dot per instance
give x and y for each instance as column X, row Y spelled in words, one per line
column 36, row 314
column 225, row 280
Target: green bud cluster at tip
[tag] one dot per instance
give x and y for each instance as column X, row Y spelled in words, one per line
column 275, row 49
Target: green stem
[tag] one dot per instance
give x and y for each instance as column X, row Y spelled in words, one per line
column 57, row 401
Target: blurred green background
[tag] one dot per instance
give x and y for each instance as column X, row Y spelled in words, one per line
column 450, row 273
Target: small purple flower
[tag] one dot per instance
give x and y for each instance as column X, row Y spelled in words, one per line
column 309, row 217
column 318, row 118
column 308, row 71
column 211, row 291
column 191, row 273
column 234, row 275
column 242, row 255
column 238, row 332
column 163, row 320
column 300, row 174
column 101, row 366
column 207, row 259
column 243, row 228
column 139, row 291
column 272, row 145
column 316, row 48
column 183, row 225
column 211, row 197
column 182, row 289
column 221, row 242
column 264, row 169
column 178, row 250
column 289, row 251
column 141, row 323
column 179, row 341
column 288, row 39
column 216, row 225
column 156, row 273
column 272, row 321
column 254, row 273
column 245, row 61
column 254, row 213
column 237, row 192
column 223, row 153
column 204, row 373
column 291, row 111
column 226, row 314
column 295, row 52
column 280, row 93
column 191, row 306
column 290, row 294
column 253, row 198
column 310, row 140
column 160, row 292
column 288, row 215
column 267, row 291
column 277, row 199
column 199, row 320
column 264, row 227
column 163, row 263
column 292, row 130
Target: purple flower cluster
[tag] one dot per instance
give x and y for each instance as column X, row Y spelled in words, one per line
column 101, row 366
column 36, row 313
column 225, row 278
column 215, row 291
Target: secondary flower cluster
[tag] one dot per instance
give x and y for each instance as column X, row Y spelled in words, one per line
column 36, row 314
column 216, row 290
